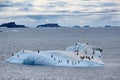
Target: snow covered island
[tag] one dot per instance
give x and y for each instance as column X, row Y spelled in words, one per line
column 78, row 55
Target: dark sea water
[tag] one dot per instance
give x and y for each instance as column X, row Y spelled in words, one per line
column 13, row 40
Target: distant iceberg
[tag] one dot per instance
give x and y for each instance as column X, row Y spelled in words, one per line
column 78, row 55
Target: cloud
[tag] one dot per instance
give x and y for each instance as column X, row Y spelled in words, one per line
column 62, row 6
column 110, row 4
column 71, row 11
column 4, row 5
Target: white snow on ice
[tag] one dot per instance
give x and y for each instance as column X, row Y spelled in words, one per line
column 78, row 55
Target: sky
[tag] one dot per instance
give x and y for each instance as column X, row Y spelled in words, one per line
column 64, row 12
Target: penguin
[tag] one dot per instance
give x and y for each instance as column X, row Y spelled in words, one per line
column 12, row 54
column 38, row 51
column 67, row 61
column 51, row 56
column 77, row 53
column 92, row 57
column 17, row 55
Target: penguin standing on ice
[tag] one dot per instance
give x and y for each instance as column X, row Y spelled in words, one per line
column 51, row 56
column 17, row 55
column 92, row 57
column 67, row 61
column 88, row 57
column 38, row 51
column 93, row 51
column 76, row 44
column 12, row 54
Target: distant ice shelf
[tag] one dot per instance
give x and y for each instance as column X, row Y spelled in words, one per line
column 78, row 55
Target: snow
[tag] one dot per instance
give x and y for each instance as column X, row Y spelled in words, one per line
column 69, row 57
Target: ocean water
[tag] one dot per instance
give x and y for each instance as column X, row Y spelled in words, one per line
column 14, row 40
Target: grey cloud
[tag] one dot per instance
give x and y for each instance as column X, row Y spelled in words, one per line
column 108, row 10
column 30, row 5
column 43, row 17
column 63, row 11
column 110, row 4
column 4, row 5
column 6, row 2
column 90, row 5
column 104, row 18
column 57, row 3
column 22, row 6
column 26, row 7
column 105, row 11
column 76, row 12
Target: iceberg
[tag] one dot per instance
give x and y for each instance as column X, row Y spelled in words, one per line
column 78, row 55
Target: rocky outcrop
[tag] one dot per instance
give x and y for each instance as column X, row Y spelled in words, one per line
column 108, row 26
column 86, row 26
column 48, row 25
column 12, row 25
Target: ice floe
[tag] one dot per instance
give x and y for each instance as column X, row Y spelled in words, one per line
column 78, row 55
